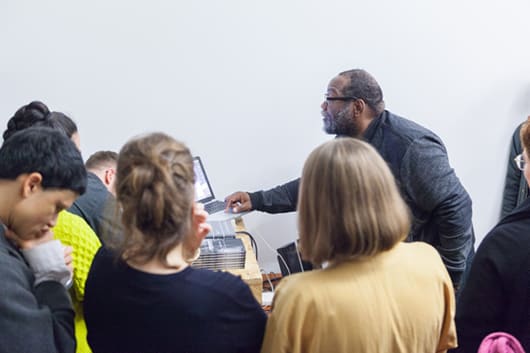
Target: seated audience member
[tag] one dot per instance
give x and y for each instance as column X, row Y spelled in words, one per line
column 375, row 293
column 143, row 296
column 515, row 186
column 41, row 173
column 496, row 296
column 70, row 229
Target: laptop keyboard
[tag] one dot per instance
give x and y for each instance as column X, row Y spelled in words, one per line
column 214, row 206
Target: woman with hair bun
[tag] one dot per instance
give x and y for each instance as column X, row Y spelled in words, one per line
column 37, row 113
column 142, row 295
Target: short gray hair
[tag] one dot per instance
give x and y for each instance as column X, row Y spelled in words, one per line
column 364, row 86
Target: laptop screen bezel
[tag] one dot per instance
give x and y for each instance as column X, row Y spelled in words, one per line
column 208, row 198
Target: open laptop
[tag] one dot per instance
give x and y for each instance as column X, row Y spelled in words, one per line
column 204, row 194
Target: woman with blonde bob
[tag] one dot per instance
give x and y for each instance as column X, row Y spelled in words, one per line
column 142, row 296
column 375, row 293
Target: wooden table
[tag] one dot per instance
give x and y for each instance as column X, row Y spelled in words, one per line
column 251, row 273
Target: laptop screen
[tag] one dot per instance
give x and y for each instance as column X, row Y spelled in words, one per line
column 203, row 191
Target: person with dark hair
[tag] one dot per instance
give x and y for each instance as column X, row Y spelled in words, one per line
column 38, row 114
column 96, row 206
column 142, row 295
column 441, row 207
column 70, row 229
column 93, row 206
column 376, row 294
column 41, row 173
column 497, row 291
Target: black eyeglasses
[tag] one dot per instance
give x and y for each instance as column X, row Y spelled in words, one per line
column 344, row 99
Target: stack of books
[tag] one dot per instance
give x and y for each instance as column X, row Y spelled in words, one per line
column 221, row 253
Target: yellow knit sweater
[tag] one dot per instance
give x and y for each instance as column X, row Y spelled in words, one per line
column 73, row 231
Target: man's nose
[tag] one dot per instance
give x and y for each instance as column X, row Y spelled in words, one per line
column 324, row 105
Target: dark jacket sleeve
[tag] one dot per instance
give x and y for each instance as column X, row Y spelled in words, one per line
column 434, row 188
column 37, row 319
column 54, row 296
column 515, row 188
column 283, row 198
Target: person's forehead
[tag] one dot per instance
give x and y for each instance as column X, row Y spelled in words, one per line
column 63, row 196
column 337, row 84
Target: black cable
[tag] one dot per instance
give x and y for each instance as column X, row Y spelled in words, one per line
column 252, row 241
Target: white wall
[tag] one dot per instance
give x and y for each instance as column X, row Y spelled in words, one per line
column 241, row 81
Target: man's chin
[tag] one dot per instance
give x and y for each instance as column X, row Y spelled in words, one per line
column 328, row 129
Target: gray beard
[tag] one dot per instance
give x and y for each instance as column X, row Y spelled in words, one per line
column 341, row 124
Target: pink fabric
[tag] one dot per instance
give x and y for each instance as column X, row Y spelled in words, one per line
column 500, row 342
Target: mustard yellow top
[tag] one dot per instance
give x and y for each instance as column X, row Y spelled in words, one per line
column 399, row 301
column 73, row 231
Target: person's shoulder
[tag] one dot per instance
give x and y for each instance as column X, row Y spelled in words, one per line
column 71, row 222
column 506, row 248
column 224, row 286
column 417, row 247
column 105, row 259
column 306, row 284
column 75, row 231
column 509, row 235
column 418, row 252
column 409, row 128
column 104, row 270
column 14, row 271
column 4, row 245
column 215, row 280
column 512, row 227
column 95, row 186
column 8, row 252
column 304, row 290
column 95, row 196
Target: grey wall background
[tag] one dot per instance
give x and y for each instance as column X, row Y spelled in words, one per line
column 241, row 81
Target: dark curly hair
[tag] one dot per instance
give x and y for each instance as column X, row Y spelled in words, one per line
column 37, row 113
column 48, row 152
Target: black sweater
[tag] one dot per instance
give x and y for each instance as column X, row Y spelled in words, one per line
column 496, row 296
column 194, row 310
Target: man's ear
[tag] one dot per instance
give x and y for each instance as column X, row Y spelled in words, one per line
column 109, row 176
column 359, row 106
column 31, row 183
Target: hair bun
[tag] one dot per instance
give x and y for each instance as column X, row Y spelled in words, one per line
column 26, row 116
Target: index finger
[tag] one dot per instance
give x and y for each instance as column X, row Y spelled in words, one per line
column 67, row 250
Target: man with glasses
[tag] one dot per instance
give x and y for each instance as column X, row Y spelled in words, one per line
column 440, row 206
